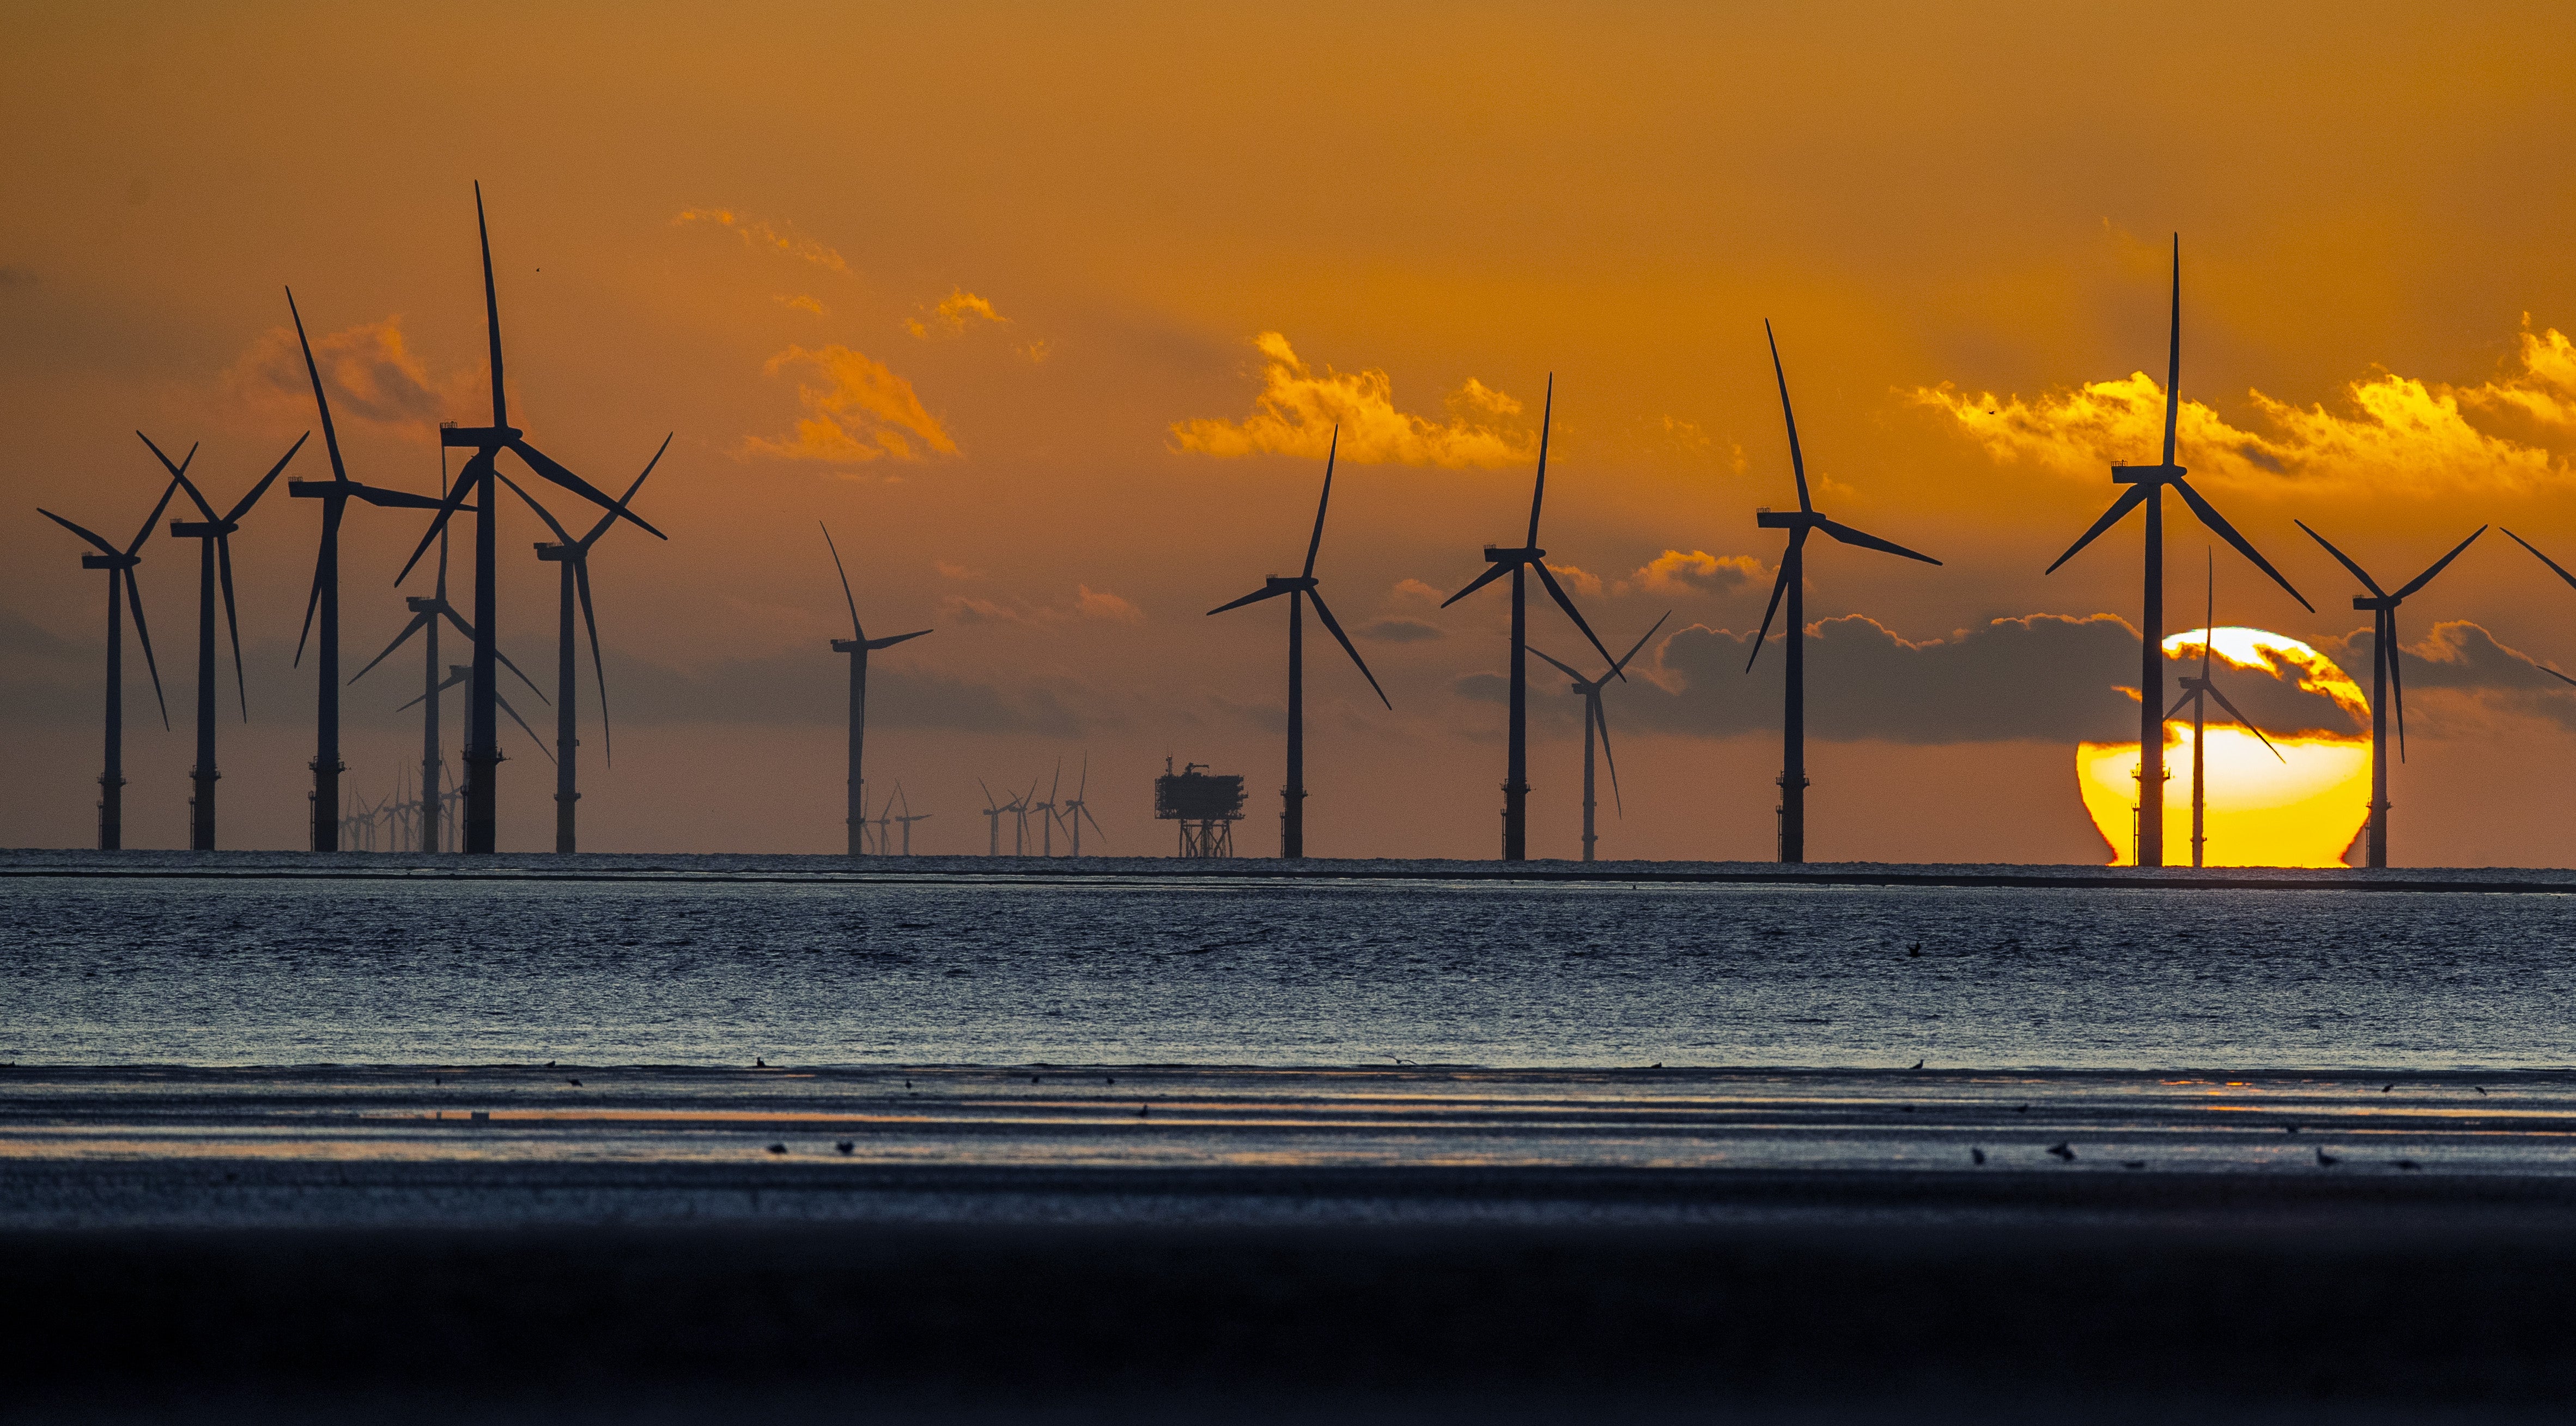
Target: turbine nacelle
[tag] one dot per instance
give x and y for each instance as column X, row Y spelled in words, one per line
column 1529, row 554
column 203, row 529
column 2385, row 601
column 110, row 561
column 2148, row 474
column 557, row 554
column 478, row 437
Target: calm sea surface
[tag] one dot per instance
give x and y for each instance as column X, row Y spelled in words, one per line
column 219, row 972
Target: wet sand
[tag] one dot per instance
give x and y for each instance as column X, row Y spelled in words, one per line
column 1416, row 1243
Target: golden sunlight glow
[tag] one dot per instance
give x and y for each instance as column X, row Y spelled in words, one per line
column 2301, row 809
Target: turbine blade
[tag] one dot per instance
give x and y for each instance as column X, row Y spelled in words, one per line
column 1557, row 592
column 1094, row 821
column 2426, row 577
column 2130, row 499
column 1255, row 597
column 530, row 501
column 1562, row 665
column 466, row 475
column 2175, row 711
column 402, row 499
column 855, row 631
column 267, row 480
column 322, row 403
column 2241, row 718
column 2396, row 678
column 1779, row 589
column 1538, row 489
column 2209, row 610
column 491, row 310
column 523, row 678
column 893, row 639
column 2555, row 566
column 1601, row 720
column 224, row 575
column 2209, row 516
column 1850, row 536
column 1325, row 613
column 590, row 621
column 179, row 473
column 2345, row 560
column 145, row 532
column 553, row 470
column 103, row 546
column 1317, row 542
column 313, row 600
column 2553, row 673
column 523, row 725
column 414, row 627
column 1641, row 643
column 1493, row 572
column 2173, row 361
column 134, row 601
column 622, row 501
column 1797, row 458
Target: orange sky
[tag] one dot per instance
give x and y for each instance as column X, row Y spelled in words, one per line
column 1045, row 311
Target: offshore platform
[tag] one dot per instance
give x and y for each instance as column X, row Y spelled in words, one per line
column 1205, row 804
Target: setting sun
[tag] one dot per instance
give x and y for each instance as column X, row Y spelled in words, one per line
column 2300, row 809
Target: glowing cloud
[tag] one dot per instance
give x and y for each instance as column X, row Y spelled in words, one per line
column 953, row 313
column 2274, row 656
column 862, row 412
column 1697, row 572
column 372, row 376
column 2397, row 432
column 1298, row 408
column 756, row 233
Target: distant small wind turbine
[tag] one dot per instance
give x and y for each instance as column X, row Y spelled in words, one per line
column 1077, row 811
column 1589, row 689
column 2387, row 681
column 2197, row 692
column 907, row 817
column 858, row 646
column 119, row 565
column 464, row 673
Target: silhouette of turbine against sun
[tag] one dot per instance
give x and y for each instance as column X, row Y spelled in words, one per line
column 2303, row 807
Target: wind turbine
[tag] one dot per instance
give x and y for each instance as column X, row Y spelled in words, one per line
column 1046, row 824
column 464, row 673
column 858, row 646
column 1075, row 809
column 908, row 817
column 1292, row 816
column 1590, row 691
column 119, row 565
column 2146, row 487
column 1792, row 583
column 425, row 617
column 214, row 537
column 992, row 821
column 482, row 725
column 1518, row 563
column 2197, row 692
column 334, row 494
column 2387, row 683
column 573, row 557
column 1019, row 807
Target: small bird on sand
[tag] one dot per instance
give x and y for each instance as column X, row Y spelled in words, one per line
column 2021, row 1109
column 2409, row 1165
column 844, row 1145
column 2133, row 1163
column 2480, row 1088
column 574, row 1083
column 758, row 1063
column 778, row 1148
column 1976, row 1156
column 2392, row 1084
column 2326, row 1160
column 1915, row 949
column 1659, row 1064
column 1918, row 1064
column 1113, row 1079
column 550, row 1064
column 907, row 1084
column 2064, row 1151
column 1033, row 1079
column 2290, row 1128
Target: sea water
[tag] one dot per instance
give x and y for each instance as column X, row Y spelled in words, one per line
column 960, row 971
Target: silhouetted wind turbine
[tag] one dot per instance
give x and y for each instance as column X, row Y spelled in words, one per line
column 1019, row 808
column 482, row 726
column 334, row 495
column 1300, row 588
column 1046, row 824
column 2197, row 692
column 1075, row 809
column 573, row 557
column 119, row 565
column 1792, row 583
column 992, row 821
column 2146, row 481
column 907, row 817
column 214, row 537
column 2387, row 682
column 858, row 646
column 1517, row 563
column 1589, row 689
column 464, row 673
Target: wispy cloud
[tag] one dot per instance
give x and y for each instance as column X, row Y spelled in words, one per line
column 1697, row 572
column 2395, row 432
column 952, row 315
column 859, row 412
column 759, row 233
column 1299, row 406
column 1088, row 603
column 801, row 302
column 373, row 377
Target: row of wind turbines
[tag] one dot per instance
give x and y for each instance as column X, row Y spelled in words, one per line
column 2146, row 486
